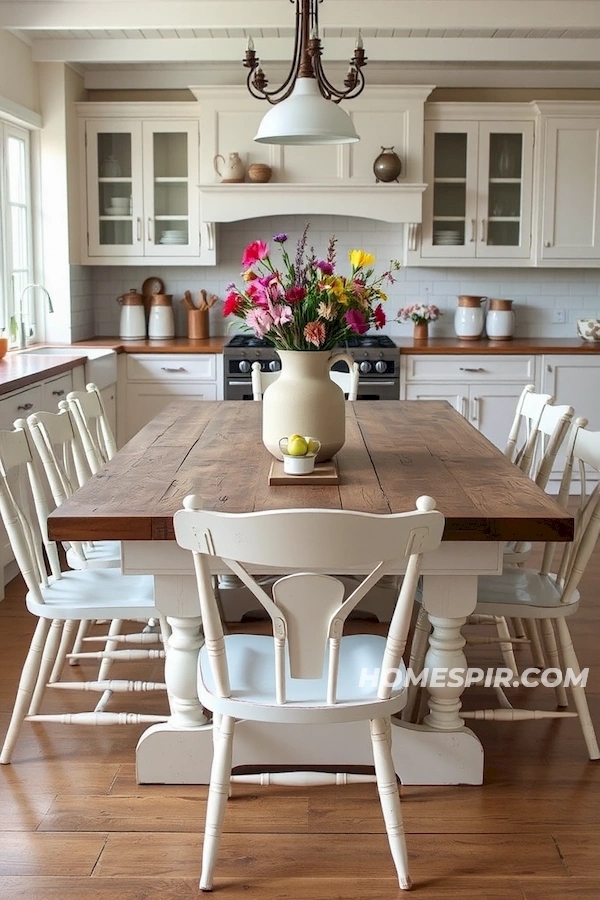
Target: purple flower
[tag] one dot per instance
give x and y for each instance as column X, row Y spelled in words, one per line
column 325, row 267
column 280, row 238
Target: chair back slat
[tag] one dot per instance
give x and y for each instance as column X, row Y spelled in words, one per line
column 91, row 421
column 26, row 534
column 308, row 608
column 523, row 435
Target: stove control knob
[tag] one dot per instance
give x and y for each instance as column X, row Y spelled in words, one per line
column 274, row 365
column 244, row 365
column 380, row 366
column 364, row 366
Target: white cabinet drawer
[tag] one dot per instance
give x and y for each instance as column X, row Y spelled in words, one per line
column 20, row 405
column 169, row 367
column 466, row 368
column 56, row 390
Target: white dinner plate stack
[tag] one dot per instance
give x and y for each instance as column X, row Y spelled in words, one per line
column 174, row 236
column 447, row 238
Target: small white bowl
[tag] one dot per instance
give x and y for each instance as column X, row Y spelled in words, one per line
column 299, row 465
column 121, row 202
column 589, row 329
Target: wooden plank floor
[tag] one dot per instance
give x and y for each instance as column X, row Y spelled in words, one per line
column 73, row 821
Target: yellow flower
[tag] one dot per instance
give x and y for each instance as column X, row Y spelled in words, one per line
column 358, row 259
column 337, row 286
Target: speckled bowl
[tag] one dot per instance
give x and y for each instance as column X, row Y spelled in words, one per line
column 589, row 329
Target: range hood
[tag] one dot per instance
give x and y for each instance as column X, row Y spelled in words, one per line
column 322, row 180
column 394, row 203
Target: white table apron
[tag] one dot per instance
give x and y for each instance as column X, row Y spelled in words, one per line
column 441, row 752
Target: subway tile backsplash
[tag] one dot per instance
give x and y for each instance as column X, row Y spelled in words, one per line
column 537, row 293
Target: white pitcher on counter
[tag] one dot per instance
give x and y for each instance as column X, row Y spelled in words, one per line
column 500, row 320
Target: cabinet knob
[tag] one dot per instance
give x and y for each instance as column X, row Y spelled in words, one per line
column 467, row 369
column 57, row 393
column 26, row 406
column 547, row 244
column 549, row 368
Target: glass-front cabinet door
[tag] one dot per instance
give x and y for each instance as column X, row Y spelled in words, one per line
column 141, row 187
column 478, row 200
column 171, row 206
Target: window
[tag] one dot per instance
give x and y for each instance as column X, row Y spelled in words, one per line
column 16, row 254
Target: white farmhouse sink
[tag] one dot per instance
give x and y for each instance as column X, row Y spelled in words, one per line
column 100, row 366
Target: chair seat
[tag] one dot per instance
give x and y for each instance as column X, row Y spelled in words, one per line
column 96, row 594
column 523, row 593
column 99, row 555
column 251, row 664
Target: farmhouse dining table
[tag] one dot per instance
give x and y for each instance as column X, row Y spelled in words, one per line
column 394, row 452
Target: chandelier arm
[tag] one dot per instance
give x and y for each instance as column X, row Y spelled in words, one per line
column 329, row 91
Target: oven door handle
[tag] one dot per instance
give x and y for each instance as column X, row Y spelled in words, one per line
column 246, row 383
column 377, row 383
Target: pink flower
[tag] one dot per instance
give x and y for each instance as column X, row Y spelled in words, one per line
column 314, row 333
column 260, row 321
column 281, row 313
column 253, row 253
column 356, row 321
column 379, row 316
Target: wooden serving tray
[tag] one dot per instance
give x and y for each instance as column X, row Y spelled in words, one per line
column 324, row 473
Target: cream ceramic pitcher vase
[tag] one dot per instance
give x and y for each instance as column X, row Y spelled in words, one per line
column 304, row 400
column 468, row 318
column 232, row 170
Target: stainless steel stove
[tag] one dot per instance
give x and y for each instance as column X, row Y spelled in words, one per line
column 377, row 356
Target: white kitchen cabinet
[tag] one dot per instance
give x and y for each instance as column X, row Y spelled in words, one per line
column 569, row 208
column 484, row 389
column 151, row 381
column 479, row 172
column 141, row 185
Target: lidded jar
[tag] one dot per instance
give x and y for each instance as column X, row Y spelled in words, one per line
column 500, row 320
column 468, row 318
column 388, row 165
column 161, row 322
column 132, row 324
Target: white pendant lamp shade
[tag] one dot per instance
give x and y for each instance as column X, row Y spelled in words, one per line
column 306, row 117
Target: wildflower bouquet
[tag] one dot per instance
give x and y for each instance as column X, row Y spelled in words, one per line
column 305, row 304
column 419, row 313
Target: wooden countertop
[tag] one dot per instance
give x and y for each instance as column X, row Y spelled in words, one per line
column 175, row 345
column 452, row 345
column 394, row 452
column 18, row 370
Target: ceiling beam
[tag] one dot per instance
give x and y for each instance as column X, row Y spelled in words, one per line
column 109, row 14
column 485, row 50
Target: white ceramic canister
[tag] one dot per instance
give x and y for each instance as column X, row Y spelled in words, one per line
column 500, row 320
column 469, row 318
column 132, row 324
column 161, row 322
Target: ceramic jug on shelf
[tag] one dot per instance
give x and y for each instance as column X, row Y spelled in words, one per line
column 232, row 170
column 500, row 320
column 468, row 318
column 132, row 324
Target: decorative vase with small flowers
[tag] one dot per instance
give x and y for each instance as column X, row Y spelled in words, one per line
column 420, row 314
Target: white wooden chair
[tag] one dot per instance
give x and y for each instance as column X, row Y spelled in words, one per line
column 61, row 598
column 307, row 672
column 89, row 416
column 550, row 598
column 348, row 381
column 56, row 440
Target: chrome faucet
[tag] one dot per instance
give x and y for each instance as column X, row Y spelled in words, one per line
column 22, row 335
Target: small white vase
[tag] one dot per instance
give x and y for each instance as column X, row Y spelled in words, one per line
column 304, row 400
